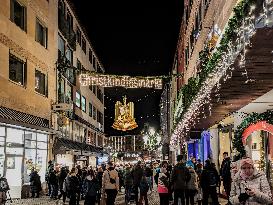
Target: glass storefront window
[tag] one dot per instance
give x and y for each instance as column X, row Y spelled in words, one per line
column 2, row 131
column 15, row 150
column 30, row 144
column 30, row 136
column 41, row 145
column 2, row 141
column 29, row 163
column 15, row 136
column 41, row 163
column 2, row 161
column 41, row 137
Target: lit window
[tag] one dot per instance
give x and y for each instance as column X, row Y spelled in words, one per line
column 90, row 110
column 83, row 104
column 40, row 82
column 78, row 99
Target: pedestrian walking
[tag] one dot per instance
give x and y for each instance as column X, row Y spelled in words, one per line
column 179, row 179
column 137, row 173
column 50, row 168
column 4, row 188
column 62, row 177
column 72, row 186
column 209, row 182
column 110, row 183
column 99, row 178
column 128, row 183
column 35, row 184
column 91, row 187
column 192, row 186
column 53, row 181
column 250, row 186
column 225, row 173
column 143, row 189
column 149, row 175
column 163, row 186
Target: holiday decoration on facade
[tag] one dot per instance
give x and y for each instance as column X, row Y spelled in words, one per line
column 124, row 116
column 252, row 119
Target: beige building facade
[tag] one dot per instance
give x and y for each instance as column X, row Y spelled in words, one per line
column 44, row 113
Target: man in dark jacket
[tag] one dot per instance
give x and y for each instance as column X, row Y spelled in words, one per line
column 225, row 173
column 137, row 174
column 209, row 182
column 179, row 178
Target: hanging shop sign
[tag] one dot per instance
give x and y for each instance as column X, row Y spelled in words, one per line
column 120, row 81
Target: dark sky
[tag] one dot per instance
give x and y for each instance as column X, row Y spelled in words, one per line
column 133, row 38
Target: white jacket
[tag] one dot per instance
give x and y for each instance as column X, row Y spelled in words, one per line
column 258, row 183
column 106, row 184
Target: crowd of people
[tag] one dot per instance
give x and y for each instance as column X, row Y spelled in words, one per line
column 188, row 181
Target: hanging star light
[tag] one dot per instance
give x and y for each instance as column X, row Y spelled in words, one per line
column 124, row 116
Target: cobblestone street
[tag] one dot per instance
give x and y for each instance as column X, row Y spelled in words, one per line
column 152, row 197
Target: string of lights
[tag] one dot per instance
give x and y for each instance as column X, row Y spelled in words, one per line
column 223, row 67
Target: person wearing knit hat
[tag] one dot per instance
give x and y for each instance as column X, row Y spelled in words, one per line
column 250, row 186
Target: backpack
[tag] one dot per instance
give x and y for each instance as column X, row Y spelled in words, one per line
column 112, row 181
column 212, row 178
column 4, row 186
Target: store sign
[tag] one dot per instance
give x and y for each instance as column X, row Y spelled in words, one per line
column 81, row 158
column 262, row 125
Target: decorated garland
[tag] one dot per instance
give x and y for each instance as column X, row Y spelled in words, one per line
column 209, row 62
column 251, row 119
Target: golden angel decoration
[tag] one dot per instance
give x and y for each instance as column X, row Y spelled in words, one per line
column 124, row 116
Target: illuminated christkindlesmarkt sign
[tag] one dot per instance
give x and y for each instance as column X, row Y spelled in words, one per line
column 120, row 81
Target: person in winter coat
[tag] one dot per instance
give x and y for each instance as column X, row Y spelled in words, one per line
column 128, row 183
column 137, row 174
column 4, row 187
column 192, row 186
column 72, row 186
column 163, row 187
column 35, row 184
column 110, row 183
column 99, row 178
column 90, row 187
column 209, row 182
column 250, row 186
column 143, row 188
column 225, row 173
column 53, row 181
column 62, row 176
column 179, row 179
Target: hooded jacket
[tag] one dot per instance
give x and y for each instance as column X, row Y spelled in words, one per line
column 258, row 182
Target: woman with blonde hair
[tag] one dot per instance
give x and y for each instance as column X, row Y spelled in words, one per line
column 250, row 186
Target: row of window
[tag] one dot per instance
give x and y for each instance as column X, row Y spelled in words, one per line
column 18, row 15
column 196, row 28
column 18, row 74
column 93, row 111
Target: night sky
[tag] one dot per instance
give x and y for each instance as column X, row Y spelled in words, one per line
column 132, row 38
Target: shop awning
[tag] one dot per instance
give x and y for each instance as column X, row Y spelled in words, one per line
column 62, row 144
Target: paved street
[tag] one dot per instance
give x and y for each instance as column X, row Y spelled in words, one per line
column 153, row 200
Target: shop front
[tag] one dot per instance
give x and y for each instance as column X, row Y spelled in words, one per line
column 69, row 153
column 22, row 149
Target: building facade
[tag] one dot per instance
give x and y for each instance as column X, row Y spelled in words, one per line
column 226, row 66
column 84, row 122
column 44, row 112
column 28, row 45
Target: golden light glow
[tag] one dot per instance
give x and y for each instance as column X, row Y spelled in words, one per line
column 124, row 116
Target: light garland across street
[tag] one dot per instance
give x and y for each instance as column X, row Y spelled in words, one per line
column 120, row 81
